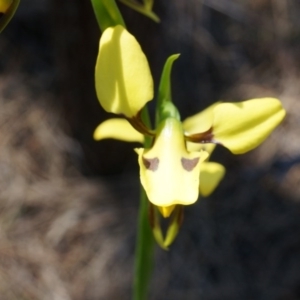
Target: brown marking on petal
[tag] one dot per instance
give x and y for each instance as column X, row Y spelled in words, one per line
column 151, row 163
column 203, row 137
column 189, row 164
column 138, row 124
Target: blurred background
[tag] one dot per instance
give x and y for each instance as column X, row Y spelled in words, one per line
column 68, row 204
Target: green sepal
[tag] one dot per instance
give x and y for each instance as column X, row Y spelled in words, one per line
column 165, row 108
column 148, row 4
column 8, row 14
column 107, row 14
column 156, row 229
column 174, row 226
column 145, row 9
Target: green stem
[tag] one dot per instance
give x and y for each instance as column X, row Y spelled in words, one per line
column 143, row 252
column 107, row 13
column 145, row 242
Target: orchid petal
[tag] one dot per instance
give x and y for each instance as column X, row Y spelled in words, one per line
column 119, row 129
column 211, row 174
column 166, row 210
column 174, row 226
column 7, row 11
column 123, row 79
column 169, row 173
column 209, row 148
column 200, row 122
column 242, row 126
column 4, row 5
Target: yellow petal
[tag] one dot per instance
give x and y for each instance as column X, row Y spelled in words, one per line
column 4, row 5
column 242, row 126
column 123, row 80
column 200, row 122
column 169, row 173
column 119, row 129
column 211, row 174
column 209, row 148
column 155, row 226
column 174, row 226
column 166, row 210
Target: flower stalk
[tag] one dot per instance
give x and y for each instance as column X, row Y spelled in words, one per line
column 143, row 260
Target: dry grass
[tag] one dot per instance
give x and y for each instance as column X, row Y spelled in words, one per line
column 60, row 233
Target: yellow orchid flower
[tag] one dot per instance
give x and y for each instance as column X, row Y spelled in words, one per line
column 7, row 10
column 4, row 5
column 173, row 170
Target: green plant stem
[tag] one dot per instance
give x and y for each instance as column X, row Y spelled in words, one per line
column 107, row 13
column 143, row 252
column 145, row 242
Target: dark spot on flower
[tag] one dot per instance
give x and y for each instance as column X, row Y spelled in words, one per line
column 203, row 137
column 189, row 164
column 151, row 163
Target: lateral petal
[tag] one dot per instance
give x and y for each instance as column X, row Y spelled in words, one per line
column 200, row 122
column 242, row 126
column 166, row 210
column 123, row 79
column 119, row 129
column 211, row 174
